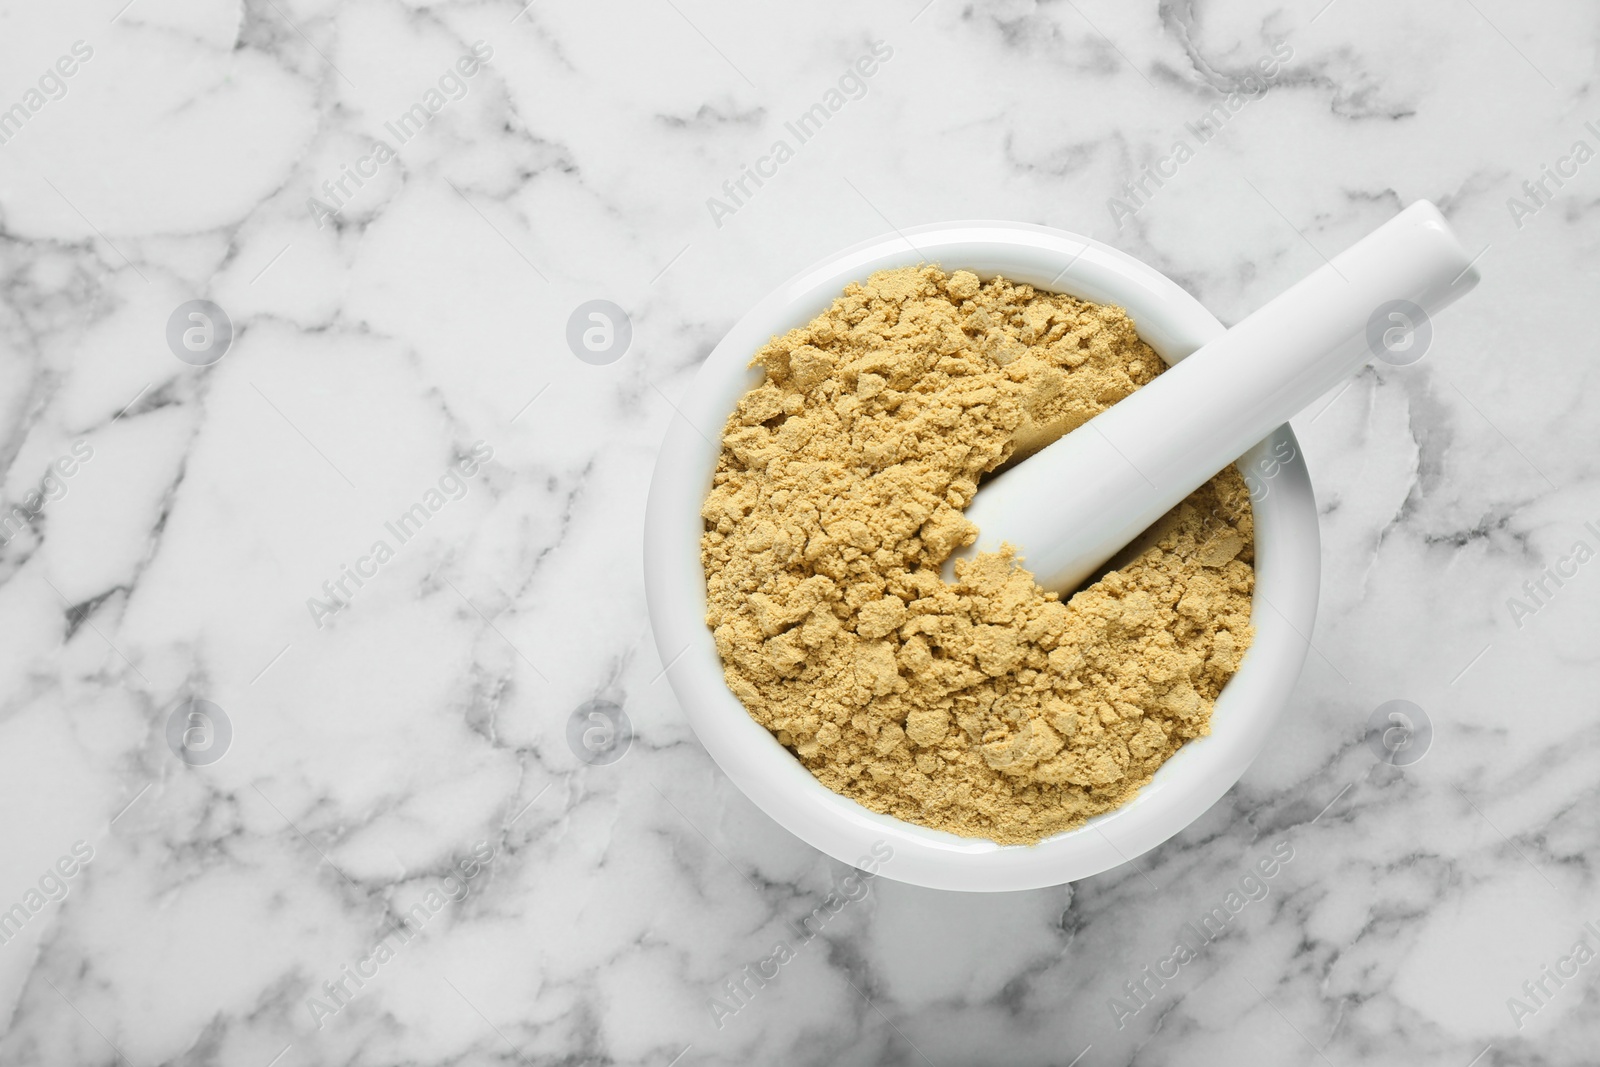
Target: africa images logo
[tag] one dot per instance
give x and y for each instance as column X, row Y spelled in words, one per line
column 453, row 485
column 452, row 85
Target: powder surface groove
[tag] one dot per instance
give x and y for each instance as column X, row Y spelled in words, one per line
column 986, row 707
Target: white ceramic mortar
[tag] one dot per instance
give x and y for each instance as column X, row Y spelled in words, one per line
column 1287, row 575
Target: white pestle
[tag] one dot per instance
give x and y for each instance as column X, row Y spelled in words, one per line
column 1074, row 504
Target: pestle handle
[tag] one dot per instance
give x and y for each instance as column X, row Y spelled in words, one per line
column 1073, row 505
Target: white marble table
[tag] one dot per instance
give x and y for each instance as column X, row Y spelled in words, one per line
column 306, row 896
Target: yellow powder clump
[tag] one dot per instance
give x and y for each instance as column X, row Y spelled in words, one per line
column 985, row 707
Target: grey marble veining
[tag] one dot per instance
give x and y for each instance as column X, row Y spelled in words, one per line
column 400, row 315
